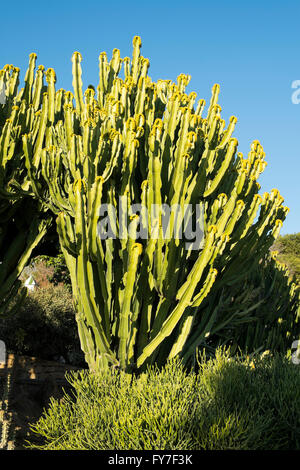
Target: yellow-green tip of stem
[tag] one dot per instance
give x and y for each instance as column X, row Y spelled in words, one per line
column 77, row 56
column 212, row 228
column 50, row 75
column 137, row 41
column 138, row 246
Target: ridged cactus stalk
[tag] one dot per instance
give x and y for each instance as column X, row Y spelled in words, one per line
column 135, row 148
column 23, row 222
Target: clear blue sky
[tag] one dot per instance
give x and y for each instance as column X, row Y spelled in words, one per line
column 252, row 49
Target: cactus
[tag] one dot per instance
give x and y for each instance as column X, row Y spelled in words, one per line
column 19, row 235
column 134, row 141
column 269, row 301
column 23, row 218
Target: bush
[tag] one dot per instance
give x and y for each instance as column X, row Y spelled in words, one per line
column 230, row 403
column 288, row 247
column 59, row 271
column 44, row 326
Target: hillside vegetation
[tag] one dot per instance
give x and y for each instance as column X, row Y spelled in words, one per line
column 288, row 247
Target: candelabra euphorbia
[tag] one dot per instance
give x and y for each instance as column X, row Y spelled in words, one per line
column 135, row 149
column 23, row 222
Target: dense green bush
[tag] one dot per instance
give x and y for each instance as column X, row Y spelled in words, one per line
column 44, row 326
column 230, row 403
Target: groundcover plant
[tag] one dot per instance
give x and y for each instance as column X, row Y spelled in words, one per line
column 231, row 403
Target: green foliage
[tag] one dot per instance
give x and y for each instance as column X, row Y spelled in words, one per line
column 268, row 300
column 23, row 219
column 44, row 326
column 60, row 273
column 20, row 233
column 288, row 247
column 265, row 386
column 230, row 403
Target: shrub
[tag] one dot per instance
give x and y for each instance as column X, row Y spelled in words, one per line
column 288, row 247
column 230, row 403
column 58, row 271
column 44, row 326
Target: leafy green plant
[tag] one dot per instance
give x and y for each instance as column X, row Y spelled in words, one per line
column 230, row 403
column 60, row 273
